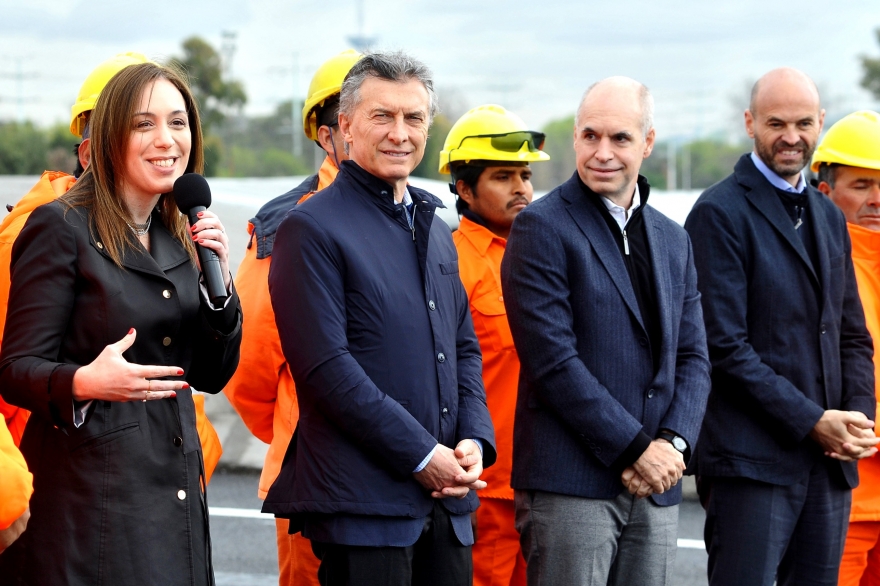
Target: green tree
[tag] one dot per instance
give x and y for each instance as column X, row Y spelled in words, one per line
column 430, row 164
column 204, row 66
column 23, row 149
column 558, row 144
column 871, row 75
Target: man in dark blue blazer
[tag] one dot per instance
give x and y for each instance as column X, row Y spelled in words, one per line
column 792, row 381
column 376, row 328
column 601, row 294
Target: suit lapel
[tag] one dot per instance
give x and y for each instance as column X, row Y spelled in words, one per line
column 817, row 218
column 661, row 277
column 589, row 221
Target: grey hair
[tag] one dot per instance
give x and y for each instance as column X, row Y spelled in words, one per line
column 646, row 104
column 390, row 66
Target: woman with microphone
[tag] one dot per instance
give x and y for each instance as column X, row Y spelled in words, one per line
column 108, row 328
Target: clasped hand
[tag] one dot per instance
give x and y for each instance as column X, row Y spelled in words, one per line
column 845, row 435
column 453, row 473
column 110, row 377
column 657, row 470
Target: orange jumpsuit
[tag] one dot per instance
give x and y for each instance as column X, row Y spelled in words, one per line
column 53, row 184
column 16, row 483
column 262, row 390
column 498, row 559
column 861, row 553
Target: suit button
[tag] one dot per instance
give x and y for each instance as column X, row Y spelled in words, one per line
column 166, row 341
column 650, row 393
column 166, row 294
column 441, row 357
column 643, row 341
column 181, row 495
column 177, row 441
column 431, row 305
column 99, row 245
column 822, row 329
column 445, row 411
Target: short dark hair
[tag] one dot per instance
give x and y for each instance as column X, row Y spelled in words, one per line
column 469, row 173
column 828, row 173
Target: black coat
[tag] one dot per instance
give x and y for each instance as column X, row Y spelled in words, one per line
column 787, row 340
column 379, row 339
column 117, row 500
column 588, row 387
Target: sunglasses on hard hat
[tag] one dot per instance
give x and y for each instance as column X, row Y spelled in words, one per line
column 512, row 142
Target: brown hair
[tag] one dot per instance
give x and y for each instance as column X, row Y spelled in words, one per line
column 100, row 186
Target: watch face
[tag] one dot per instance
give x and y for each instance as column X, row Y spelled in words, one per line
column 679, row 444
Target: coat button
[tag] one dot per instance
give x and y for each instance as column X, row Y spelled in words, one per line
column 822, row 329
column 181, row 495
column 441, row 357
column 445, row 411
column 650, row 393
column 431, row 305
column 99, row 245
column 166, row 341
column 501, row 298
column 178, row 441
column 643, row 341
column 166, row 294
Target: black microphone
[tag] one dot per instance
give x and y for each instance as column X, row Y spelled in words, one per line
column 193, row 195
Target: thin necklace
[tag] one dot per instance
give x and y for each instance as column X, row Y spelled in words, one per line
column 141, row 229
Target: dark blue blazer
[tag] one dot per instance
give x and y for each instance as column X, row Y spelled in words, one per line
column 378, row 335
column 587, row 385
column 787, row 339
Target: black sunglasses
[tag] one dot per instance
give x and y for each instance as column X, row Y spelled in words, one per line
column 512, row 142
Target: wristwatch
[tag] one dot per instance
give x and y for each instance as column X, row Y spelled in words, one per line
column 676, row 440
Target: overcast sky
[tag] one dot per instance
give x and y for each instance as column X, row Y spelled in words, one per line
column 698, row 57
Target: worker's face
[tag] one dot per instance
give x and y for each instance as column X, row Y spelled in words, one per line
column 856, row 192
column 785, row 125
column 388, row 129
column 609, row 142
column 159, row 143
column 501, row 193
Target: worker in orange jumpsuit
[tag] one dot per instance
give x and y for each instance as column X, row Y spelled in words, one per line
column 16, row 487
column 262, row 389
column 488, row 152
column 848, row 163
column 51, row 185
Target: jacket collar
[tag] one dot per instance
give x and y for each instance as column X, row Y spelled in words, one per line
column 382, row 193
column 165, row 251
column 477, row 233
column 762, row 195
column 865, row 243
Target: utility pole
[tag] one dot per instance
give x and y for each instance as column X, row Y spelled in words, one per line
column 686, row 166
column 295, row 113
column 361, row 42
column 19, row 75
column 670, row 166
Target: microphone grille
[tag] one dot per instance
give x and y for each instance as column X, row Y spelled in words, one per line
column 191, row 190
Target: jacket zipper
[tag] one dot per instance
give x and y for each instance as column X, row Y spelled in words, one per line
column 625, row 242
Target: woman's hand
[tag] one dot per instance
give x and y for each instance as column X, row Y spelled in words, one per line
column 110, row 377
column 209, row 232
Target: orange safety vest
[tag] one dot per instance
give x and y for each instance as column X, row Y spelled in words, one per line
column 53, row 184
column 16, row 483
column 866, row 260
column 479, row 261
column 262, row 389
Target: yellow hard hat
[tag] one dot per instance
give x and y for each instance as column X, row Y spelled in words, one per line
column 94, row 83
column 853, row 140
column 491, row 133
column 326, row 83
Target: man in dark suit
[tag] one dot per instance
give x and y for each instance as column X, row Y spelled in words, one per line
column 792, row 380
column 601, row 295
column 375, row 325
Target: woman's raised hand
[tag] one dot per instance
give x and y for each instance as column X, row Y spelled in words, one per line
column 110, row 377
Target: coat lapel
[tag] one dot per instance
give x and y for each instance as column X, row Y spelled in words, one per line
column 762, row 196
column 661, row 277
column 588, row 220
column 165, row 252
column 817, row 218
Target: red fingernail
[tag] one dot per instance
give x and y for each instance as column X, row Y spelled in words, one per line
column 173, row 395
column 185, row 385
column 180, row 371
column 130, row 332
column 200, row 214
